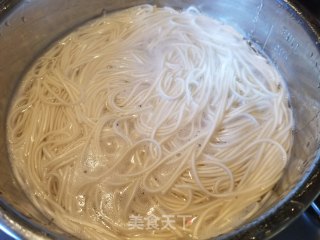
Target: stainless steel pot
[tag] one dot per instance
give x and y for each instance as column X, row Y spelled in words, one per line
column 287, row 35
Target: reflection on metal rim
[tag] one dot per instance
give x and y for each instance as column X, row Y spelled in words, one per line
column 6, row 6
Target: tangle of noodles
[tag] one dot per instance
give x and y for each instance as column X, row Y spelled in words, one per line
column 150, row 113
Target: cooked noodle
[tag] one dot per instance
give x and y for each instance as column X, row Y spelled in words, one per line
column 150, row 112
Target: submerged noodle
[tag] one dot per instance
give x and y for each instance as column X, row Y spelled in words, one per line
column 150, row 112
